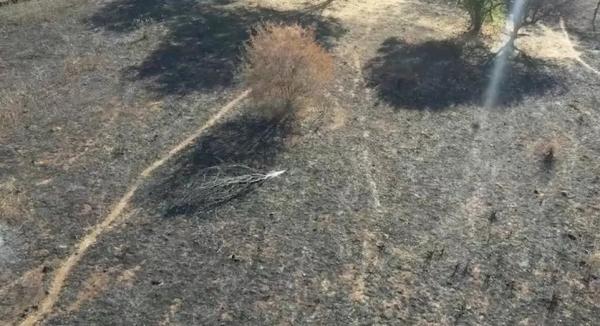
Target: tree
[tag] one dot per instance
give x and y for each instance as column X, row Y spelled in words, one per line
column 479, row 12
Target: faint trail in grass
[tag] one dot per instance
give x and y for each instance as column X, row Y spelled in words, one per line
column 47, row 304
column 369, row 255
column 371, row 180
column 369, row 12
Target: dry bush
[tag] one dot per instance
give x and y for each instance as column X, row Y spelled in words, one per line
column 285, row 67
column 547, row 150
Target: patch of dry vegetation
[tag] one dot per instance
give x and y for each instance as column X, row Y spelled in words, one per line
column 15, row 102
column 24, row 291
column 95, row 285
column 544, row 42
column 11, row 113
column 76, row 66
column 285, row 68
column 11, row 201
column 34, row 11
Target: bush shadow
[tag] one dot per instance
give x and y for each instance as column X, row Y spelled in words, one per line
column 441, row 73
column 200, row 179
column 202, row 46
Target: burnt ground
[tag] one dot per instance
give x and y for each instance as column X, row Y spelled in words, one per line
column 407, row 202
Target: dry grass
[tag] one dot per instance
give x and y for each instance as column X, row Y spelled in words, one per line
column 26, row 290
column 594, row 261
column 11, row 201
column 285, row 68
column 10, row 114
column 13, row 109
column 75, row 67
column 34, row 11
column 95, row 285
column 546, row 43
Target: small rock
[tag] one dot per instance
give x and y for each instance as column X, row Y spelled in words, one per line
column 226, row 317
column 41, row 253
column 86, row 209
column 595, row 285
column 388, row 313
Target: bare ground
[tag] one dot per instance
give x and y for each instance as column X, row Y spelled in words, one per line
column 406, row 203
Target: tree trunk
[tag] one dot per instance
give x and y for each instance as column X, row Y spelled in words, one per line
column 477, row 26
column 476, row 23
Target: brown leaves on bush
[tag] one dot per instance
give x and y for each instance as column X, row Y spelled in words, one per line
column 285, row 67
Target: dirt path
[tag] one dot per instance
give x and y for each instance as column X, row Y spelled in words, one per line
column 47, row 304
column 366, row 163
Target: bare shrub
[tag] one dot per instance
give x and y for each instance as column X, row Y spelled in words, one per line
column 285, row 67
column 547, row 151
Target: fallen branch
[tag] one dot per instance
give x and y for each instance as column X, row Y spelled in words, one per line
column 220, row 184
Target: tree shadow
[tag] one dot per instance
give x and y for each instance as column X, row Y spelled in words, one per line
column 441, row 73
column 214, row 170
column 204, row 39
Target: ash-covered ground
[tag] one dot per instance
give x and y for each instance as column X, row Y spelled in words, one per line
column 404, row 201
